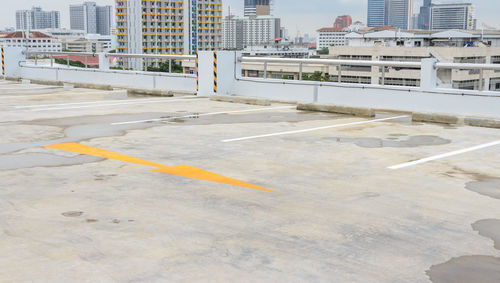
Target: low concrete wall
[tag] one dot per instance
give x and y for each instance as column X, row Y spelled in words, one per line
column 109, row 79
column 404, row 99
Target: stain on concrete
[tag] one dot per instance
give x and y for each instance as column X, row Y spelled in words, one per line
column 33, row 160
column 92, row 220
column 72, row 213
column 486, row 186
column 489, row 228
column 413, row 141
column 115, row 221
column 467, row 269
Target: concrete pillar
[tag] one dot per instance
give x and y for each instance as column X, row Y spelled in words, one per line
column 428, row 74
column 228, row 69
column 13, row 55
column 375, row 72
column 103, row 62
column 487, row 75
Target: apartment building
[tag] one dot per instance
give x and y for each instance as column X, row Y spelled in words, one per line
column 36, row 18
column 91, row 18
column 167, row 27
column 240, row 32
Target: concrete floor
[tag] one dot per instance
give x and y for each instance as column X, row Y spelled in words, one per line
column 338, row 214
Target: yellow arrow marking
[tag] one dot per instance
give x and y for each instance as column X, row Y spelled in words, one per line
column 182, row 170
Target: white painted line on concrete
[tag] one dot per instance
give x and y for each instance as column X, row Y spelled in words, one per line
column 315, row 129
column 89, row 102
column 445, row 155
column 110, row 104
column 203, row 114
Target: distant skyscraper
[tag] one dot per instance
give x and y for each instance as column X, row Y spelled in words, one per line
column 399, row 13
column 452, row 16
column 257, row 8
column 36, row 18
column 377, row 13
column 342, row 22
column 104, row 19
column 424, row 18
column 91, row 18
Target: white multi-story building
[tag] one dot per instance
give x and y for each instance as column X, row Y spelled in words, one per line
column 35, row 41
column 36, row 18
column 240, row 32
column 167, row 27
column 91, row 18
column 330, row 37
column 452, row 16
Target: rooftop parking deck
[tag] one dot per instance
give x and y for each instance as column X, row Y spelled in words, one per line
column 100, row 186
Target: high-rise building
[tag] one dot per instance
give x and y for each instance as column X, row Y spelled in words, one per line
column 424, row 18
column 377, row 13
column 167, row 27
column 36, row 18
column 342, row 22
column 241, row 32
column 257, row 8
column 91, row 18
column 399, row 13
column 452, row 16
column 104, row 19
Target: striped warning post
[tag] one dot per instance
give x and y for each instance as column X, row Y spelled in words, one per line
column 215, row 71
column 3, row 63
column 197, row 73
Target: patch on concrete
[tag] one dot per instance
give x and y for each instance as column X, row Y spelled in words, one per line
column 486, row 186
column 33, row 160
column 72, row 213
column 467, row 269
column 413, row 141
column 489, row 228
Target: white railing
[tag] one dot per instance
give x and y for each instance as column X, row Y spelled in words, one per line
column 367, row 63
column 51, row 55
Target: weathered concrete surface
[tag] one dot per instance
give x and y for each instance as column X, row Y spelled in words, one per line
column 437, row 118
column 482, row 122
column 339, row 216
column 240, row 99
column 356, row 111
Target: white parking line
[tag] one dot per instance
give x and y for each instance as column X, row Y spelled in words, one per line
column 315, row 129
column 445, row 155
column 89, row 102
column 112, row 104
column 203, row 114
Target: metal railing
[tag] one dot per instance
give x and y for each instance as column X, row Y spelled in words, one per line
column 68, row 55
column 367, row 63
column 470, row 66
column 51, row 55
column 168, row 58
column 331, row 62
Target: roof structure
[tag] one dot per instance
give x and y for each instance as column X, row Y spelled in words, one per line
column 32, row 34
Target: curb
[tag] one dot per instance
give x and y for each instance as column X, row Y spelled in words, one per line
column 153, row 92
column 239, row 99
column 355, row 111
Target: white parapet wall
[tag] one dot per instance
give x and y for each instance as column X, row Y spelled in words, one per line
column 426, row 98
column 115, row 78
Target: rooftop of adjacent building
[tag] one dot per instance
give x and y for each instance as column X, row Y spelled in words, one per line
column 23, row 34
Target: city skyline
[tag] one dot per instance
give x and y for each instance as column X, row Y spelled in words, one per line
column 314, row 14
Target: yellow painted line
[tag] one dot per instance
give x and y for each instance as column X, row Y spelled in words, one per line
column 182, row 170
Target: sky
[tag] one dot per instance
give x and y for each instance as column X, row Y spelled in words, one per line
column 298, row 16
